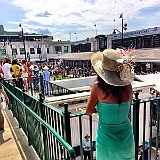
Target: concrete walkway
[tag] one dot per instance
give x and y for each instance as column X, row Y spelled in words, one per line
column 13, row 142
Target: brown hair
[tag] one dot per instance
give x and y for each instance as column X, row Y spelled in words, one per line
column 117, row 91
column 23, row 61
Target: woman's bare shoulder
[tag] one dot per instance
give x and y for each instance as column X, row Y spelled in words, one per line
column 95, row 85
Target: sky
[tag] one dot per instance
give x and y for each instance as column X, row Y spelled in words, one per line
column 81, row 18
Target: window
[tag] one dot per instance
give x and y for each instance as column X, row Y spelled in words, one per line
column 14, row 51
column 58, row 49
column 38, row 50
column 32, row 51
column 2, row 51
column 102, row 43
column 22, row 51
column 65, row 49
column 47, row 50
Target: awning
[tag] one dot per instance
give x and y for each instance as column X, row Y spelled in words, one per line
column 37, row 59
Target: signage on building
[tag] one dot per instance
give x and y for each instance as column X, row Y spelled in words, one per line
column 148, row 31
column 81, row 41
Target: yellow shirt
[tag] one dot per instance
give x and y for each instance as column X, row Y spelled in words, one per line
column 16, row 69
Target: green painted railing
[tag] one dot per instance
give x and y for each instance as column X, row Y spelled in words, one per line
column 31, row 116
column 154, row 124
column 53, row 89
column 72, row 127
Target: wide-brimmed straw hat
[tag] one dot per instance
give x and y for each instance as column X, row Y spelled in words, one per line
column 86, row 136
column 112, row 67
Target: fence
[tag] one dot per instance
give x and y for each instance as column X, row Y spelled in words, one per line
column 72, row 127
column 32, row 118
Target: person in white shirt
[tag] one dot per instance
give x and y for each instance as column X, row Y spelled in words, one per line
column 86, row 147
column 6, row 69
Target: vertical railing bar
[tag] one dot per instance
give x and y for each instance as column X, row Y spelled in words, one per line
column 158, row 123
column 144, row 126
column 63, row 129
column 150, row 137
column 59, row 125
column 91, row 146
column 53, row 140
column 136, row 106
column 56, row 128
column 63, row 133
column 54, row 147
column 80, row 130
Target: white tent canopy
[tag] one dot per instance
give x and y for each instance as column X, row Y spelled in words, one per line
column 151, row 78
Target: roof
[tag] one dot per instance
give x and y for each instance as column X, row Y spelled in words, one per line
column 146, row 55
column 56, row 39
column 139, row 55
column 75, row 56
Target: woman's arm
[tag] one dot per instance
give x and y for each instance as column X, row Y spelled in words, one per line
column 93, row 99
column 131, row 96
column 5, row 96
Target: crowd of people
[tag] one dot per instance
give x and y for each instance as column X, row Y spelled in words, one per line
column 17, row 71
column 24, row 74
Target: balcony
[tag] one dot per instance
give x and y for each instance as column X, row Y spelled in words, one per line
column 58, row 134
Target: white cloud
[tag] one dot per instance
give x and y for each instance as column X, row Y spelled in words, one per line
column 78, row 13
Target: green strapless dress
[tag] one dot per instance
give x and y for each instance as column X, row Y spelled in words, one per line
column 114, row 139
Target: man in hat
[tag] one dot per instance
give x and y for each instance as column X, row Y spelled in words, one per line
column 86, row 147
column 145, row 150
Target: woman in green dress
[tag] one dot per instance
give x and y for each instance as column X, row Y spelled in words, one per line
column 112, row 96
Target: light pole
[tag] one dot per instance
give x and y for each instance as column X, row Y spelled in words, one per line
column 76, row 36
column 124, row 27
column 121, row 16
column 23, row 40
column 96, row 29
column 70, row 36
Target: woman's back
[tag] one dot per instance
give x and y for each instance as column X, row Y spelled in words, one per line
column 126, row 94
column 113, row 113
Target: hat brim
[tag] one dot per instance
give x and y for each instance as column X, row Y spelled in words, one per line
column 46, row 68
column 110, row 77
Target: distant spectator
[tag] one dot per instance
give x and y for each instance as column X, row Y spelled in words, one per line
column 36, row 78
column 86, row 147
column 16, row 71
column 25, row 74
column 145, row 150
column 30, row 72
column 46, row 79
column 6, row 69
column 158, row 157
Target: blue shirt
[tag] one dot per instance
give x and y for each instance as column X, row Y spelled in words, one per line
column 46, row 75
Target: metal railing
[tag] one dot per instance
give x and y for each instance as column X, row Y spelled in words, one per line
column 32, row 118
column 72, row 127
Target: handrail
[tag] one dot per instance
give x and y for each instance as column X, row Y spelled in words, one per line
column 59, row 138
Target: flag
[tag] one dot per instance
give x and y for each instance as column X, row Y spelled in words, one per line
column 20, row 25
column 121, row 15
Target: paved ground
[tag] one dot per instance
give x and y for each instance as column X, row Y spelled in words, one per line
column 13, row 143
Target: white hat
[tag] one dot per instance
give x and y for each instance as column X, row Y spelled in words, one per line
column 87, row 135
column 46, row 68
column 112, row 68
